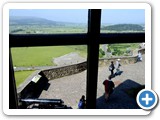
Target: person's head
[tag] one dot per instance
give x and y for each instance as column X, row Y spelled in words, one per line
column 83, row 97
column 111, row 62
column 109, row 77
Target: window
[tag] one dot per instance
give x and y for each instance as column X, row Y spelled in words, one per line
column 92, row 39
column 63, row 66
column 123, row 20
column 48, row 21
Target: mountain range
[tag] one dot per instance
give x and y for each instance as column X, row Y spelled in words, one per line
column 26, row 20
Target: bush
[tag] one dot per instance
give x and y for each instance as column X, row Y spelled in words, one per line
column 101, row 53
column 117, row 52
column 128, row 50
column 109, row 48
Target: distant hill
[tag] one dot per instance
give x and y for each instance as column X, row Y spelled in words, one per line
column 123, row 27
column 19, row 20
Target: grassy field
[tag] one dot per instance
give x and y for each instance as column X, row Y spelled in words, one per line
column 124, row 46
column 20, row 76
column 43, row 56
column 124, row 49
column 39, row 29
column 40, row 56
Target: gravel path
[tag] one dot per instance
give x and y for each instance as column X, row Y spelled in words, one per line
column 69, row 59
column 33, row 68
column 71, row 88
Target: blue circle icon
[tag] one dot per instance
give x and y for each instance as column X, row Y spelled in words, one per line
column 147, row 99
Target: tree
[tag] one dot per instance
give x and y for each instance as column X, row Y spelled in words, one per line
column 101, row 53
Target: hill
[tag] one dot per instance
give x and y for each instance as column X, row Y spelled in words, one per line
column 123, row 27
column 23, row 20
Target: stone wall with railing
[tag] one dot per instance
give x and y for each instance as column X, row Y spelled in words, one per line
column 64, row 70
column 123, row 60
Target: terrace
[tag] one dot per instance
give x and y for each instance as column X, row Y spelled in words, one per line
column 71, row 86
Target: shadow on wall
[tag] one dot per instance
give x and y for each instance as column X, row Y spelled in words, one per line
column 123, row 97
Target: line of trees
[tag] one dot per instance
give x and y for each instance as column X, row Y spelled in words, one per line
column 123, row 27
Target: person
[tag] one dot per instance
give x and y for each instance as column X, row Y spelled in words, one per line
column 111, row 68
column 82, row 102
column 117, row 66
column 139, row 57
column 109, row 87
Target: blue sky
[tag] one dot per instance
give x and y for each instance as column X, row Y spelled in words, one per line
column 112, row 16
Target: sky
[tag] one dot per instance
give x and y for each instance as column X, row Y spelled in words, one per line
column 111, row 16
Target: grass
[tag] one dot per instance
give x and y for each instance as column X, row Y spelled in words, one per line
column 122, row 49
column 108, row 31
column 124, row 46
column 40, row 56
column 20, row 76
column 43, row 56
column 36, row 29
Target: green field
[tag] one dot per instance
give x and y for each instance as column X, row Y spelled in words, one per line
column 37, row 29
column 124, row 46
column 125, row 49
column 43, row 56
column 40, row 56
column 20, row 76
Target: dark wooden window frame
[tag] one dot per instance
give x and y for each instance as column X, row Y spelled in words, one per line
column 92, row 39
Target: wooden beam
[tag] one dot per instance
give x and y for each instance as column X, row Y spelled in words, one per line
column 31, row 40
column 13, row 101
column 94, row 19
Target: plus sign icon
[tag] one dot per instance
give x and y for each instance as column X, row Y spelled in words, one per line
column 147, row 99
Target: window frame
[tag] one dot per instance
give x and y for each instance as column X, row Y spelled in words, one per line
column 93, row 38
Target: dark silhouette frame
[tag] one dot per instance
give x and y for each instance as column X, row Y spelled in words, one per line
column 92, row 39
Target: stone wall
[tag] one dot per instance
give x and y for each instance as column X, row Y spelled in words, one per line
column 123, row 60
column 64, row 71
column 76, row 68
column 142, row 51
column 30, row 89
